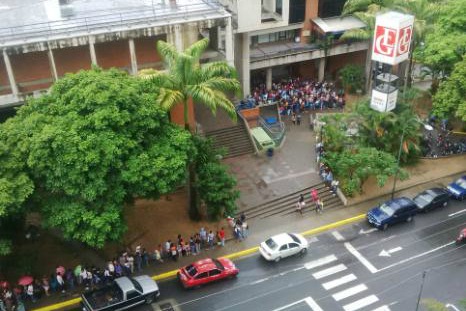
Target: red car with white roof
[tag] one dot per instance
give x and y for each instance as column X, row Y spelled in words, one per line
column 206, row 271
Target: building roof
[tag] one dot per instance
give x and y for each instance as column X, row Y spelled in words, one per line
column 40, row 20
column 338, row 24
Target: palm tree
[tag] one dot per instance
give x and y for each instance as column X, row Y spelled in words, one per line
column 185, row 80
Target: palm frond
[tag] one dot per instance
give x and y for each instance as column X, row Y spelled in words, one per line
column 222, row 84
column 213, row 99
column 357, row 34
column 352, row 6
column 161, row 79
column 167, row 52
column 219, row 69
column 197, row 48
column 169, row 98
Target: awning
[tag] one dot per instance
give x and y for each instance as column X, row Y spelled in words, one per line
column 338, row 24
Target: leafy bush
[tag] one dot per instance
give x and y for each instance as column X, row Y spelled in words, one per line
column 352, row 77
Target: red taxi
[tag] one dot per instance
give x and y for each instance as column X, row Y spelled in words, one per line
column 206, row 271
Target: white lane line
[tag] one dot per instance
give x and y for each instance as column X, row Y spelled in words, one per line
column 308, row 300
column 320, row 262
column 382, row 308
column 360, row 257
column 312, row 304
column 329, row 271
column 361, row 303
column 417, row 256
column 349, row 292
column 458, row 212
column 338, row 236
column 343, row 280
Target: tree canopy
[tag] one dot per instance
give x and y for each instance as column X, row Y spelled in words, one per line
column 80, row 153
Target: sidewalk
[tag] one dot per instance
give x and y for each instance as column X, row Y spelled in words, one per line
column 292, row 168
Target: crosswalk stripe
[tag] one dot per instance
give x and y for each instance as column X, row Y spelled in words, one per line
column 361, row 303
column 329, row 271
column 349, row 292
column 312, row 304
column 340, row 281
column 382, row 308
column 337, row 235
column 320, row 262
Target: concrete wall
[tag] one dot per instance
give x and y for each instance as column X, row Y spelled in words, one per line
column 32, row 71
column 72, row 59
column 335, row 63
column 4, row 83
column 250, row 13
column 113, row 54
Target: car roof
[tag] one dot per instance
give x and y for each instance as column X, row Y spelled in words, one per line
column 282, row 238
column 204, row 265
column 400, row 202
column 435, row 191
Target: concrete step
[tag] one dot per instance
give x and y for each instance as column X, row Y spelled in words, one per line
column 234, row 139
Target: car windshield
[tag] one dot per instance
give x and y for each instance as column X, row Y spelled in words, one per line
column 423, row 199
column 295, row 238
column 387, row 209
column 191, row 270
column 461, row 182
column 271, row 243
column 137, row 285
column 218, row 264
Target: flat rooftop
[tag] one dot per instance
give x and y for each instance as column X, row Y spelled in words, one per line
column 29, row 21
column 338, row 24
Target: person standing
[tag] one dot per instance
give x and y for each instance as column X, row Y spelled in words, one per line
column 293, row 118
column 314, row 195
column 203, row 235
column 210, row 239
column 319, row 206
column 221, row 235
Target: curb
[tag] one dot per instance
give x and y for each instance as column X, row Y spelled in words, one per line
column 236, row 255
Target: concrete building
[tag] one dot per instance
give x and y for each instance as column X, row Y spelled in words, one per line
column 276, row 39
column 42, row 40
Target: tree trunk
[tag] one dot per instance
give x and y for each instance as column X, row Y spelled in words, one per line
column 369, row 68
column 409, row 73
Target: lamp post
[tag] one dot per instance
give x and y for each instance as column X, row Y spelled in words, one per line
column 427, row 127
column 420, row 290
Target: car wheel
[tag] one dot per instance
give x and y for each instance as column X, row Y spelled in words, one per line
column 409, row 219
column 445, row 204
column 384, row 227
column 149, row 299
column 303, row 251
column 277, row 259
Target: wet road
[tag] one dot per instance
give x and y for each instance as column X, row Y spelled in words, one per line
column 355, row 268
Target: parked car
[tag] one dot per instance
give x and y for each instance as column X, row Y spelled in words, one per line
column 431, row 198
column 283, row 245
column 124, row 293
column 458, row 188
column 391, row 212
column 206, row 271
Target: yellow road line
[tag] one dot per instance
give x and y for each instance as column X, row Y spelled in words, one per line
column 236, row 255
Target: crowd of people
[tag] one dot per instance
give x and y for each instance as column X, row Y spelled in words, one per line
column 296, row 95
column 441, row 143
column 126, row 263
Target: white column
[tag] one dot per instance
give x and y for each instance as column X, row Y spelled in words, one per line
column 321, row 69
column 229, row 50
column 92, row 51
column 268, row 78
column 132, row 54
column 245, row 74
column 11, row 76
column 178, row 38
column 53, row 67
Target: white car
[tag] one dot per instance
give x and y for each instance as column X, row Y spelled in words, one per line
column 283, row 245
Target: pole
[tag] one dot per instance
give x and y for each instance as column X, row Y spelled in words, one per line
column 420, row 291
column 398, row 163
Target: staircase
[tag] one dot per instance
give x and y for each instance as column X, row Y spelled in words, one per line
column 287, row 205
column 234, row 139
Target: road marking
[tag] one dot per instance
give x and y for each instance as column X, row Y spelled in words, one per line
column 382, row 308
column 343, row 280
column 458, row 212
column 361, row 303
column 388, row 253
column 329, row 271
column 417, row 256
column 308, row 300
column 320, row 262
column 312, row 304
column 338, row 236
column 313, row 239
column 349, row 292
column 367, row 231
column 360, row 257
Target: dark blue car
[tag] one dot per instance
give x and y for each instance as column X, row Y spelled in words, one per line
column 391, row 212
column 457, row 189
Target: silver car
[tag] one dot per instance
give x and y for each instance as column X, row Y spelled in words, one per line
column 283, row 245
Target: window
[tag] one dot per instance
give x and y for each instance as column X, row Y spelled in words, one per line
column 297, row 11
column 292, row 245
column 214, row 272
column 201, row 275
column 295, row 238
column 191, row 270
column 283, row 248
column 132, row 294
column 218, row 264
column 278, row 6
column 271, row 244
column 330, row 8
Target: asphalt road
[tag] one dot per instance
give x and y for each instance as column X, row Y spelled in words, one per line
column 356, row 268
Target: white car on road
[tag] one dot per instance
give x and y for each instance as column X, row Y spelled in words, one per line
column 283, row 245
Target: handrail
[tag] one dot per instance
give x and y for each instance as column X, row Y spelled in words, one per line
column 248, row 130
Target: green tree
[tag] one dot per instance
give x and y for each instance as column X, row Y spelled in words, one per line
column 185, row 80
column 352, row 77
column 450, row 99
column 215, row 185
column 87, row 149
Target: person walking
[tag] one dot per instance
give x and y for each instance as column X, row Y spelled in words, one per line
column 293, row 118
column 319, row 206
column 221, row 235
column 314, row 195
